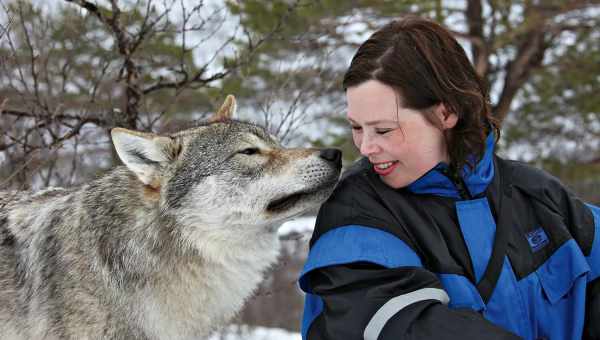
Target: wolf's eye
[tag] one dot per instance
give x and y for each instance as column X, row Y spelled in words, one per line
column 249, row 151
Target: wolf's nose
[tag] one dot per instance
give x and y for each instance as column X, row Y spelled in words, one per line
column 332, row 155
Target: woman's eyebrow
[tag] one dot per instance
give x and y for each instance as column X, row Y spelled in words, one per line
column 374, row 122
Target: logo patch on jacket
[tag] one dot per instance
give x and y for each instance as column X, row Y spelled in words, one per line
column 537, row 239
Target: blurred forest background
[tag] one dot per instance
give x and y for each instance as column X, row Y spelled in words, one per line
column 70, row 70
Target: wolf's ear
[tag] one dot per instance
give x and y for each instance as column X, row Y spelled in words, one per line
column 226, row 112
column 143, row 152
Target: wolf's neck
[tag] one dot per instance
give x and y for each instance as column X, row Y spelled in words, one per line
column 123, row 228
column 204, row 293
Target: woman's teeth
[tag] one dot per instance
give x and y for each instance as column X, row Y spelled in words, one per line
column 384, row 166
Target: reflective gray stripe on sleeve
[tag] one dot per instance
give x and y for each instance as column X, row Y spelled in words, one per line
column 393, row 306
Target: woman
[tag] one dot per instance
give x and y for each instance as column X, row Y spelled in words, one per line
column 431, row 235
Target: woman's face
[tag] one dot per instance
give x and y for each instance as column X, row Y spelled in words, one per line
column 399, row 142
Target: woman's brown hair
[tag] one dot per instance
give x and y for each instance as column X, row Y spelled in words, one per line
column 423, row 62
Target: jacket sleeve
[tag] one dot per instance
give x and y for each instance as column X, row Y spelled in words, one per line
column 592, row 327
column 365, row 283
column 592, row 314
column 366, row 301
column 583, row 223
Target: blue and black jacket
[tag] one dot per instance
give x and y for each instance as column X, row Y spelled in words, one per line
column 505, row 252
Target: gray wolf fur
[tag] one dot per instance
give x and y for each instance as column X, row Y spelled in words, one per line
column 168, row 246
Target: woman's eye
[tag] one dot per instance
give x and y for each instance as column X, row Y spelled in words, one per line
column 249, row 151
column 355, row 127
column 383, row 131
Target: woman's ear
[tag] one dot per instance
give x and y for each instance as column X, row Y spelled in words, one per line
column 446, row 117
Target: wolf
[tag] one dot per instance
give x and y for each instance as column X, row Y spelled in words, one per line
column 167, row 246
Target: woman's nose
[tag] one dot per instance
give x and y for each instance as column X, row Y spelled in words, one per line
column 368, row 147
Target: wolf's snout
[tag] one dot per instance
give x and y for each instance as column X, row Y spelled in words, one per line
column 332, row 155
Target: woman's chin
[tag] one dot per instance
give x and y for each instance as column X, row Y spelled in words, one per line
column 395, row 181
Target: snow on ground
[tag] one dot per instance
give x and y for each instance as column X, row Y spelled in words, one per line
column 301, row 225
column 242, row 332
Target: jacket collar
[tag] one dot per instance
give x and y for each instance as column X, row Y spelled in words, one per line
column 476, row 180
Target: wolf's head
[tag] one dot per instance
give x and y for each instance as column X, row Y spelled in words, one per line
column 227, row 176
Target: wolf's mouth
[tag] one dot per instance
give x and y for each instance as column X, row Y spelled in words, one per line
column 311, row 194
column 286, row 202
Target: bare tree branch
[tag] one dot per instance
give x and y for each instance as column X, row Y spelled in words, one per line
column 479, row 46
column 529, row 57
column 534, row 37
column 58, row 117
column 126, row 48
column 197, row 79
column 5, row 28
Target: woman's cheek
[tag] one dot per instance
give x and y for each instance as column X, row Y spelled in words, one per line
column 357, row 138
